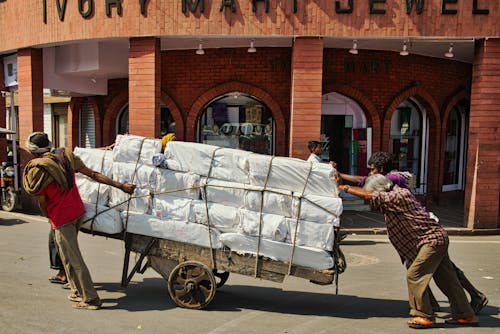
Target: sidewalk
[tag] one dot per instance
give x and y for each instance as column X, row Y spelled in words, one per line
column 450, row 212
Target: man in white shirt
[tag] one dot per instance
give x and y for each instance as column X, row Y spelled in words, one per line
column 316, row 149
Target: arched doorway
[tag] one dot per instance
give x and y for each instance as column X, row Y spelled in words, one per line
column 409, row 141
column 167, row 122
column 237, row 120
column 344, row 133
column 455, row 148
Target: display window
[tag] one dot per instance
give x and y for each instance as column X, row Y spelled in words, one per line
column 239, row 121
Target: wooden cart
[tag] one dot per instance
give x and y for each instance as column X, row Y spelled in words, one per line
column 193, row 273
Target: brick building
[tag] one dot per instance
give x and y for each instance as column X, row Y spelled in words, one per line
column 418, row 78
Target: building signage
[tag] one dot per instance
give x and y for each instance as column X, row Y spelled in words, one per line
column 86, row 8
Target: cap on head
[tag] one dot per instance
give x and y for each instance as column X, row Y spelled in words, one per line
column 377, row 182
column 38, row 142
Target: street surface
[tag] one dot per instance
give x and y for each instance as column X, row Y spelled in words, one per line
column 372, row 292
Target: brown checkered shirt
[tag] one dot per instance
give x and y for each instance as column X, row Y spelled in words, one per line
column 409, row 225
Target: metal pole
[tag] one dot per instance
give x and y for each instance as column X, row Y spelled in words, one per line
column 13, row 122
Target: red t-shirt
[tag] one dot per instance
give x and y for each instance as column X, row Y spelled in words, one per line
column 62, row 207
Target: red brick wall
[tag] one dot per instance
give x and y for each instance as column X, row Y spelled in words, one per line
column 305, row 105
column 30, row 81
column 144, row 87
column 483, row 178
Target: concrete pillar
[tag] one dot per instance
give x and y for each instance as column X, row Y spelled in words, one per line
column 144, row 86
column 305, row 113
column 483, row 158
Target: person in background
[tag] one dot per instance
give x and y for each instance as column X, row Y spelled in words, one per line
column 50, row 176
column 316, row 149
column 422, row 242
column 382, row 163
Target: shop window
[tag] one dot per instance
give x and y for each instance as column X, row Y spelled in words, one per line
column 167, row 123
column 238, row 121
column 406, row 138
column 122, row 122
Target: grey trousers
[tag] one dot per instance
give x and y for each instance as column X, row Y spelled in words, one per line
column 434, row 262
column 76, row 269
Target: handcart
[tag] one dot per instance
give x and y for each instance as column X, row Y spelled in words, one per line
column 193, row 273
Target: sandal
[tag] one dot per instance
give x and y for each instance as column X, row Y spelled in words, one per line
column 75, row 297
column 92, row 305
column 478, row 304
column 58, row 280
column 470, row 321
column 421, row 322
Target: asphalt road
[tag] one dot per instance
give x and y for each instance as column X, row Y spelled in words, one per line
column 372, row 292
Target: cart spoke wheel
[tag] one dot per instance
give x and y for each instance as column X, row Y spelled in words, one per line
column 192, row 285
column 220, row 277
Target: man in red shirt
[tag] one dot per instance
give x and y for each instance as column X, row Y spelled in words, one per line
column 421, row 241
column 51, row 178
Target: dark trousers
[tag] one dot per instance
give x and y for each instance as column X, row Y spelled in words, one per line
column 55, row 259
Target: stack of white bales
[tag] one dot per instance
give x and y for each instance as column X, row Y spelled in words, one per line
column 280, row 207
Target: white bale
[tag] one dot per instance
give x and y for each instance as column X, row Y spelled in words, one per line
column 276, row 201
column 178, row 184
column 140, row 201
column 291, row 174
column 223, row 192
column 279, row 251
column 102, row 219
column 92, row 191
column 231, row 165
column 191, row 233
column 310, row 234
column 136, row 149
column 222, row 217
column 167, row 207
column 143, row 176
column 96, row 159
column 320, row 209
column 189, row 157
column 272, row 227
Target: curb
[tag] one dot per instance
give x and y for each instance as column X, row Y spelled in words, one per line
column 451, row 231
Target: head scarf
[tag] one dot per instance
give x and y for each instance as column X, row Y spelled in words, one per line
column 38, row 142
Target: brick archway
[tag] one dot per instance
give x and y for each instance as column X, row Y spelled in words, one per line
column 206, row 97
column 109, row 127
column 434, row 131
column 373, row 118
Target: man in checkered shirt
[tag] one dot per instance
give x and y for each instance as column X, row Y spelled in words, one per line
column 421, row 241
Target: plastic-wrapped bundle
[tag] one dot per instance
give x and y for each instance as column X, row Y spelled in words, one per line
column 178, row 184
column 135, row 149
column 310, row 234
column 321, row 209
column 140, row 201
column 227, row 164
column 191, row 233
column 92, row 191
column 96, row 159
column 302, row 256
column 276, row 201
column 166, row 207
column 291, row 174
column 143, row 176
column 273, row 227
column 103, row 219
column 223, row 192
column 222, row 217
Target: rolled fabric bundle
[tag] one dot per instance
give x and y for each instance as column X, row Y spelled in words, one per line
column 92, row 191
column 167, row 207
column 135, row 149
column 222, row 217
column 320, row 209
column 169, row 182
column 103, row 219
column 310, row 234
column 273, row 227
column 96, row 159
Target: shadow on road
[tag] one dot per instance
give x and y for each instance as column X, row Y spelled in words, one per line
column 11, row 222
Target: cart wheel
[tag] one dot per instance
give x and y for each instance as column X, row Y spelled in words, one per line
column 191, row 285
column 220, row 277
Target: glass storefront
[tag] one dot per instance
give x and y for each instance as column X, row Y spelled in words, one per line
column 236, row 120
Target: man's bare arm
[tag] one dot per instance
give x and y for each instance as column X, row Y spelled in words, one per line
column 101, row 178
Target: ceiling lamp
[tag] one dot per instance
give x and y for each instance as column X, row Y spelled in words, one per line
column 252, row 48
column 449, row 54
column 200, row 50
column 354, row 49
column 404, row 50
